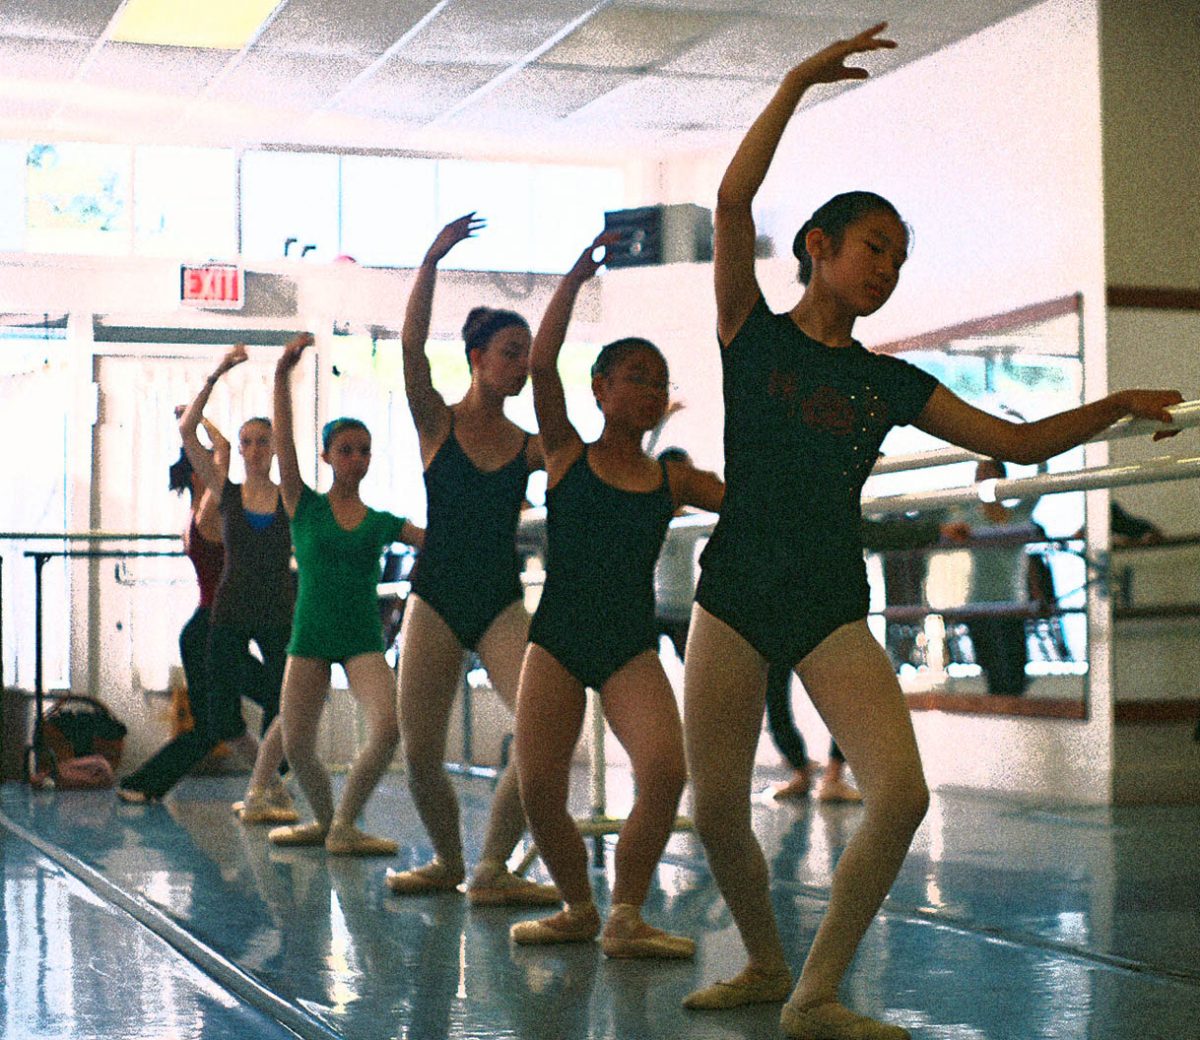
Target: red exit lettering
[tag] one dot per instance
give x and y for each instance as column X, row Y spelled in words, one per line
column 211, row 285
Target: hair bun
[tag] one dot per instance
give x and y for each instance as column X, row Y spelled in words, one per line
column 475, row 319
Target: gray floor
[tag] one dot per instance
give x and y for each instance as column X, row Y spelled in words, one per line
column 173, row 921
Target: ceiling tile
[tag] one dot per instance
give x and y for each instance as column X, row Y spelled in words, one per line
column 166, row 70
column 53, row 60
column 367, row 27
column 678, row 101
column 290, row 80
column 492, row 33
column 414, row 92
column 633, row 38
column 57, row 19
column 544, row 93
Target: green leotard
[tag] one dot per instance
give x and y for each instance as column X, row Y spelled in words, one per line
column 337, row 607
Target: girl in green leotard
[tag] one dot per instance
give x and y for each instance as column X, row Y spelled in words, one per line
column 338, row 543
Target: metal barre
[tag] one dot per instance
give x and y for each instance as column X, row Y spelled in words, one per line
column 1183, row 416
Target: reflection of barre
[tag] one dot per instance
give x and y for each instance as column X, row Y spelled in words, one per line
column 973, row 611
column 1183, row 416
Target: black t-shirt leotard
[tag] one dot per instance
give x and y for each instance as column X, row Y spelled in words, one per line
column 803, row 426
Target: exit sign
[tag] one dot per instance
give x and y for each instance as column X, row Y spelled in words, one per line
column 217, row 286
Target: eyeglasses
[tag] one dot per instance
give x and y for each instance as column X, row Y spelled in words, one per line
column 650, row 383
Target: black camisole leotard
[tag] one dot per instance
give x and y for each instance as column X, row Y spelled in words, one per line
column 469, row 570
column 597, row 608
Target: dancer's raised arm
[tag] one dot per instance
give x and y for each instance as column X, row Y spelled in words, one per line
column 549, row 401
column 428, row 407
column 290, row 484
column 221, row 448
column 733, row 244
column 205, row 463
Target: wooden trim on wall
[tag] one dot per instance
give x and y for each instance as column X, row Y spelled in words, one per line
column 1153, row 298
column 1185, row 709
column 989, row 704
column 992, row 323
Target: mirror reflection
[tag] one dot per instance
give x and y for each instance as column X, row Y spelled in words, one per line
column 988, row 598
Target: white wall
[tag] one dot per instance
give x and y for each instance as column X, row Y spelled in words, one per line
column 1151, row 93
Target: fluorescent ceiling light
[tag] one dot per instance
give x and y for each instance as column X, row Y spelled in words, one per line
column 217, row 24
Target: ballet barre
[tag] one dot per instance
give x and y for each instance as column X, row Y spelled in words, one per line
column 1153, row 471
column 40, row 557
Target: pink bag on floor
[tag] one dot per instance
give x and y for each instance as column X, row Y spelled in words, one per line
column 78, row 774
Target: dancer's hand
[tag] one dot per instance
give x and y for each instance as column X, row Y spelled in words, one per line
column 234, row 356
column 292, row 351
column 588, row 264
column 1151, row 404
column 828, row 65
column 464, row 227
column 956, row 532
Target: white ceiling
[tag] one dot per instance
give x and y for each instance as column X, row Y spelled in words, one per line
column 535, row 78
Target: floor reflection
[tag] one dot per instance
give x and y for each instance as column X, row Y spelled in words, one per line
column 1006, row 922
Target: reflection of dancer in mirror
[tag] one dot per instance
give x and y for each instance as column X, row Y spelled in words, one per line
column 252, row 603
column 466, row 586
column 1000, row 574
column 339, row 544
column 783, row 577
column 608, row 507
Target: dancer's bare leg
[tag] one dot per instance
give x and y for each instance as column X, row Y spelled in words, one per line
column 372, row 684
column 502, row 649
column 430, row 670
column 850, row 680
column 724, row 692
column 305, row 688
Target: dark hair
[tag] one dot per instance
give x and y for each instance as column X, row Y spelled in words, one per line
column 181, row 474
column 335, row 426
column 674, row 455
column 996, row 465
column 483, row 323
column 834, row 217
column 256, row 419
column 612, row 354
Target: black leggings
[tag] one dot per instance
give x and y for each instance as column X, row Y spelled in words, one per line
column 219, row 670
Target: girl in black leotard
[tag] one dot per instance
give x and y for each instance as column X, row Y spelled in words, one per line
column 608, row 508
column 783, row 578
column 466, row 588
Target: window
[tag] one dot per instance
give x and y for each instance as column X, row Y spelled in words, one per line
column 185, row 203
column 12, row 196
column 389, row 214
column 78, row 199
column 290, row 195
